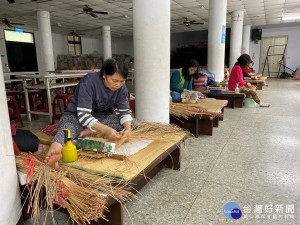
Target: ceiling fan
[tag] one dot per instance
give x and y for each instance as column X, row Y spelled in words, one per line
column 10, row 24
column 90, row 11
column 188, row 22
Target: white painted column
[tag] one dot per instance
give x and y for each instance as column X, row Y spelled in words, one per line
column 46, row 47
column 151, row 38
column 236, row 37
column 106, row 42
column 246, row 39
column 216, row 38
column 10, row 206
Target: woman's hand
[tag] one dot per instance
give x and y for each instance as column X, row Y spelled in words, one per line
column 111, row 134
column 248, row 84
column 126, row 131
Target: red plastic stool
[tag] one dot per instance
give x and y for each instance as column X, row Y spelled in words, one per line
column 37, row 100
column 65, row 98
column 11, row 101
column 17, row 96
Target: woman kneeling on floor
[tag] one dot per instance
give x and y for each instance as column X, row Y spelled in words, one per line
column 236, row 76
column 90, row 110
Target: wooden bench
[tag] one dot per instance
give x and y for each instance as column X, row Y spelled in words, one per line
column 145, row 165
column 234, row 99
column 202, row 123
column 258, row 83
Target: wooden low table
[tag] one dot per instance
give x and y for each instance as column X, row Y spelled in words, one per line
column 202, row 123
column 258, row 83
column 234, row 99
column 146, row 164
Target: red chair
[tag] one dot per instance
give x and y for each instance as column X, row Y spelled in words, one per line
column 37, row 100
column 12, row 103
column 65, row 98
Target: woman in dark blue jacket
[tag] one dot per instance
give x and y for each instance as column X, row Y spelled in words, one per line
column 96, row 96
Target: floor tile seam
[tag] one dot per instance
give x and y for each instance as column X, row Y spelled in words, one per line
column 297, row 103
column 253, row 190
column 205, row 180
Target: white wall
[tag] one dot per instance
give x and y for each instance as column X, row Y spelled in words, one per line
column 60, row 46
column 90, row 45
column 254, row 52
column 293, row 46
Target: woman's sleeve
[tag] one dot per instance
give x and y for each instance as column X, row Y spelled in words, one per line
column 190, row 87
column 175, row 79
column 240, row 77
column 85, row 103
column 122, row 110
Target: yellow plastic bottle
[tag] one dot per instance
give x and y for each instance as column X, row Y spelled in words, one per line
column 69, row 151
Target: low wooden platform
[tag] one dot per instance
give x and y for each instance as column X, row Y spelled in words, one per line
column 258, row 83
column 234, row 99
column 202, row 123
column 143, row 166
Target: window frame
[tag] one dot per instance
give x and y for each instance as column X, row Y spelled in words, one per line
column 73, row 43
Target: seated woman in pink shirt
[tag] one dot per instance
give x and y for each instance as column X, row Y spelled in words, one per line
column 236, row 76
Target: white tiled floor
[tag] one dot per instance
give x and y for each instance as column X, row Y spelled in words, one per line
column 253, row 159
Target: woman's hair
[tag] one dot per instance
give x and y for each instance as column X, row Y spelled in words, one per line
column 112, row 66
column 187, row 65
column 243, row 61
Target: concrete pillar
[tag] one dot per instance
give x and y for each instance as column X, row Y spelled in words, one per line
column 10, row 207
column 46, row 47
column 106, row 42
column 216, row 38
column 151, row 38
column 236, row 37
column 246, row 39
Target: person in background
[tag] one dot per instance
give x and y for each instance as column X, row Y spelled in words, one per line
column 236, row 76
column 182, row 79
column 90, row 110
column 248, row 72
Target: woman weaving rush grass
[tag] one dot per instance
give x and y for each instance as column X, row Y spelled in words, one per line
column 236, row 76
column 182, row 79
column 90, row 110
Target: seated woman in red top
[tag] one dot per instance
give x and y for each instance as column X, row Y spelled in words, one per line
column 236, row 76
column 248, row 72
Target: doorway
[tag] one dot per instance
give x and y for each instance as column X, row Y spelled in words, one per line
column 277, row 52
column 21, row 52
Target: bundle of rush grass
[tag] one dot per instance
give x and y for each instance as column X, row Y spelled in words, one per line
column 117, row 189
column 143, row 130
column 68, row 188
column 185, row 110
